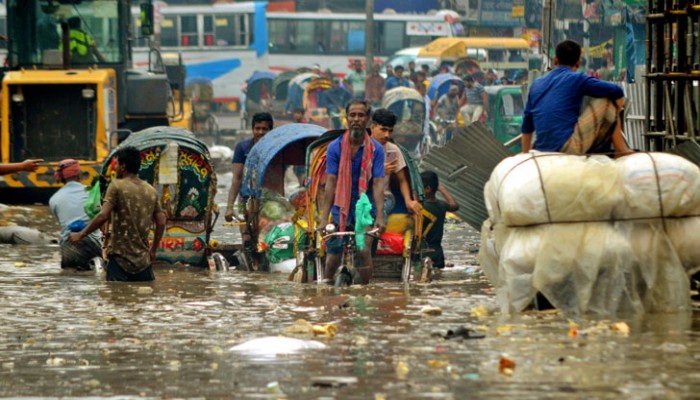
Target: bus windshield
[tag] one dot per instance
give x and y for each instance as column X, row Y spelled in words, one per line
column 36, row 29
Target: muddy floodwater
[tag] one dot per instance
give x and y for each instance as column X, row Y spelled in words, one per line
column 68, row 334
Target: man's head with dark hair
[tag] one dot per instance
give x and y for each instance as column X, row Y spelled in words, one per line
column 430, row 181
column 357, row 112
column 568, row 53
column 262, row 123
column 130, row 158
column 382, row 125
column 358, row 101
column 262, row 117
column 384, row 117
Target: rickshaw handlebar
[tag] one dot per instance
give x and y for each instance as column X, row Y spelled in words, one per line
column 373, row 233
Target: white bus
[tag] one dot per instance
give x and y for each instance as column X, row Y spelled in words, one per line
column 332, row 40
column 224, row 43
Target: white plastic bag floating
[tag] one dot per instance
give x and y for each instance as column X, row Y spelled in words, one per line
column 683, row 235
column 643, row 174
column 550, row 187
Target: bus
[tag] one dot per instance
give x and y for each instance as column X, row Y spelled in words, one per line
column 223, row 43
column 333, row 40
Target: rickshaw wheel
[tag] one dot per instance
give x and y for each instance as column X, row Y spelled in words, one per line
column 426, row 270
column 343, row 279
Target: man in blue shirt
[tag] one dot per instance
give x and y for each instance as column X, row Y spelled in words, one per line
column 262, row 123
column 554, row 103
column 397, row 80
column 67, row 205
column 354, row 165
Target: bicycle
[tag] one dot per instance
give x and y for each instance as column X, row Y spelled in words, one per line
column 346, row 273
column 445, row 130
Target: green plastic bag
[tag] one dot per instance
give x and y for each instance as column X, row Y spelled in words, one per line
column 363, row 219
column 280, row 242
column 93, row 204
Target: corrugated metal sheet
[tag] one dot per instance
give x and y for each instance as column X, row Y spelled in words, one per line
column 635, row 114
column 464, row 166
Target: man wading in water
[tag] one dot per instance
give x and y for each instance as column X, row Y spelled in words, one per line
column 133, row 206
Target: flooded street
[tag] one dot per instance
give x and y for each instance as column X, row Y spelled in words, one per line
column 68, row 334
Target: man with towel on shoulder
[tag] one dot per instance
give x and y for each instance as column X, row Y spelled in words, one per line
column 354, row 165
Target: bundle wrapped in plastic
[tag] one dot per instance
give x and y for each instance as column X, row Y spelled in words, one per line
column 681, row 232
column 648, row 178
column 598, row 268
column 540, row 188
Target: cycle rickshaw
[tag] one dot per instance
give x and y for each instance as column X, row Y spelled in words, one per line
column 400, row 250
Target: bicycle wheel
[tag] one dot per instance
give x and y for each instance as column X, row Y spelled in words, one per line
column 343, row 279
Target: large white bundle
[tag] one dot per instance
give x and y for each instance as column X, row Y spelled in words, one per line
column 488, row 255
column 662, row 283
column 517, row 265
column 596, row 268
column 493, row 185
column 577, row 188
column 643, row 174
column 586, row 268
column 681, row 232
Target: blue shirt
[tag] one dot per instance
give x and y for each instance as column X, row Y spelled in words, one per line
column 67, row 205
column 332, row 166
column 554, row 103
column 394, row 82
column 240, row 154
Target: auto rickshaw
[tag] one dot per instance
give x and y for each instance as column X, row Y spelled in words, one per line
column 295, row 94
column 505, row 114
column 266, row 211
column 178, row 165
column 324, row 102
column 200, row 91
column 400, row 249
column 412, row 127
column 258, row 94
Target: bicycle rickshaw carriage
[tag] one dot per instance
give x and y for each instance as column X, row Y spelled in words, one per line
column 325, row 103
column 281, row 147
column 409, row 106
column 439, row 86
column 258, row 94
column 178, row 165
column 280, row 91
column 295, row 93
column 200, row 91
column 400, row 249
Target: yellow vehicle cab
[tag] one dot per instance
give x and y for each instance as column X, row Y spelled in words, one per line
column 487, row 52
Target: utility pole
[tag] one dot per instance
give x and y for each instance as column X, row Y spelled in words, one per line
column 369, row 35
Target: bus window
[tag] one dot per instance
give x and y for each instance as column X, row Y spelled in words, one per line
column 168, row 33
column 338, row 36
column 391, row 37
column 305, row 38
column 209, row 36
column 188, row 31
column 356, row 37
column 280, row 37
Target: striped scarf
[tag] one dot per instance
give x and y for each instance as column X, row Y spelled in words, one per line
column 343, row 189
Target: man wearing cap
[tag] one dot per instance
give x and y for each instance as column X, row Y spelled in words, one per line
column 398, row 79
column 67, row 205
